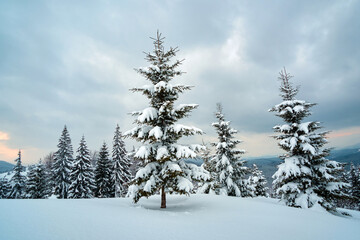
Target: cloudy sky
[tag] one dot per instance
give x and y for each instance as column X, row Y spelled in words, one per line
column 71, row 62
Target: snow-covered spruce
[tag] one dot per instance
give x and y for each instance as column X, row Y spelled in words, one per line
column 354, row 189
column 82, row 174
column 48, row 162
column 37, row 183
column 258, row 182
column 227, row 170
column 206, row 155
column 162, row 165
column 63, row 160
column 5, row 188
column 121, row 165
column 104, row 186
column 18, row 180
column 306, row 177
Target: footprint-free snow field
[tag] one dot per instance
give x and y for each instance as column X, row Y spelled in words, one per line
column 195, row 217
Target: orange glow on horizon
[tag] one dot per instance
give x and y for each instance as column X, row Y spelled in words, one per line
column 4, row 136
column 344, row 132
column 7, row 154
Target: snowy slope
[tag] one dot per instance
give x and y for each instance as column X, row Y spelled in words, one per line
column 10, row 174
column 195, row 217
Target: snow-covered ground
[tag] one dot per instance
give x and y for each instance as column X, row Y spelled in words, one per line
column 196, row 217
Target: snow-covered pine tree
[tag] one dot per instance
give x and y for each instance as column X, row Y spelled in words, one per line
column 104, row 186
column 227, row 168
column 162, row 165
column 121, row 175
column 258, row 182
column 306, row 177
column 5, row 188
column 63, row 160
column 206, row 155
column 37, row 182
column 48, row 163
column 207, row 187
column 354, row 189
column 18, row 180
column 82, row 174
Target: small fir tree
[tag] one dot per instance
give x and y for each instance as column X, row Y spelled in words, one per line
column 18, row 180
column 37, row 182
column 48, row 163
column 103, row 172
column 121, row 165
column 162, row 165
column 354, row 189
column 207, row 187
column 63, row 160
column 5, row 188
column 306, row 177
column 258, row 182
column 226, row 166
column 82, row 174
column 206, row 155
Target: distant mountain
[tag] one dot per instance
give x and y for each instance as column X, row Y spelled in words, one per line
column 5, row 166
column 350, row 155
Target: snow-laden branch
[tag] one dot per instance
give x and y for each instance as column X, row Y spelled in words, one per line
column 146, row 115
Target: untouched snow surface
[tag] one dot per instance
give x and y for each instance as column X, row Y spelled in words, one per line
column 196, row 217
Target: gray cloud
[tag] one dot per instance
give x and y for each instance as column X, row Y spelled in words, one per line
column 70, row 63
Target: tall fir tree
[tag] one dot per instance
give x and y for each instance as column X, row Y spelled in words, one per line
column 162, row 165
column 37, row 182
column 121, row 175
column 104, row 186
column 82, row 174
column 258, row 182
column 306, row 177
column 18, row 180
column 228, row 170
column 63, row 161
column 5, row 188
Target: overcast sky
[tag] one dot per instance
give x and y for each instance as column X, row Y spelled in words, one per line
column 71, row 62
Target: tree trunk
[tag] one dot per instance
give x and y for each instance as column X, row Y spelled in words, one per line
column 163, row 197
